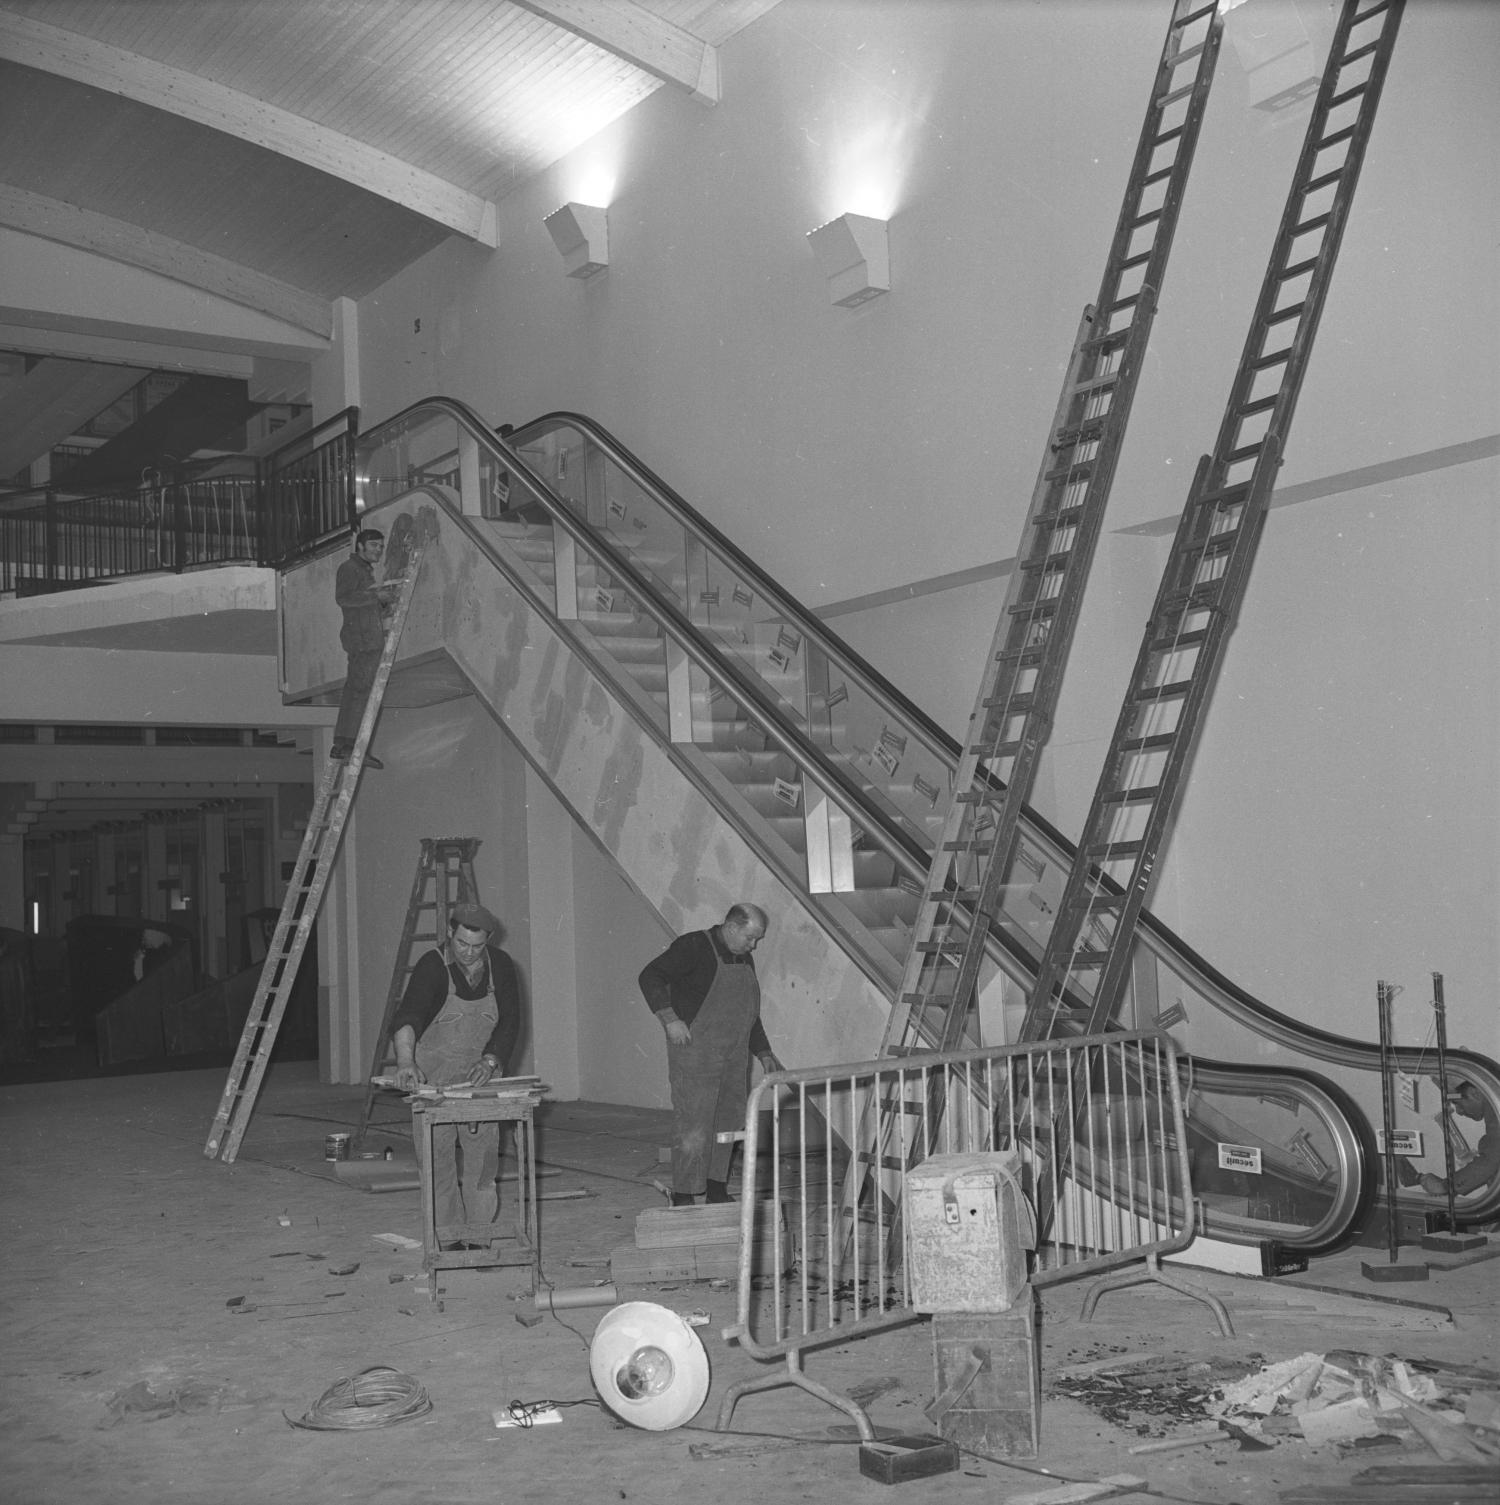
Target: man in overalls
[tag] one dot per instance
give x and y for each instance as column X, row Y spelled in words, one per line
column 704, row 992
column 457, row 1026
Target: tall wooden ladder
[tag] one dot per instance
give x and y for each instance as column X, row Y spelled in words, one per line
column 405, row 547
column 1018, row 691
column 1087, row 960
column 444, row 879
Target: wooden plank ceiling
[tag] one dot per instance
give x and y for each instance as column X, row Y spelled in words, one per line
column 285, row 152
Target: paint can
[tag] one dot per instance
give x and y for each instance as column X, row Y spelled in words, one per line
column 336, row 1147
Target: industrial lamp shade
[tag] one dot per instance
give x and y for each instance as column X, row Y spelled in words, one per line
column 648, row 1366
column 581, row 234
column 855, row 255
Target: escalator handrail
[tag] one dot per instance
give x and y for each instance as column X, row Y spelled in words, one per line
column 811, row 760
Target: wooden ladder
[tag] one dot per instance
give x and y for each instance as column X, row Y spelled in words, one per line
column 444, row 878
column 1082, row 973
column 408, row 542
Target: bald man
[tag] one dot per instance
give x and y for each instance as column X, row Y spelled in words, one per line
column 706, row 997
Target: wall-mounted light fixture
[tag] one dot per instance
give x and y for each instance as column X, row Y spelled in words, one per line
column 854, row 252
column 581, row 233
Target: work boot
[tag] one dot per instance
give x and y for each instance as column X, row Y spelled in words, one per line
column 371, row 761
column 341, row 752
column 682, row 1199
column 718, row 1191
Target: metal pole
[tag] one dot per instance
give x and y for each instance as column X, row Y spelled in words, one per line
column 1383, row 992
column 1441, row 1013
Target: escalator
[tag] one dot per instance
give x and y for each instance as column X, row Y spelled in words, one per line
column 836, row 786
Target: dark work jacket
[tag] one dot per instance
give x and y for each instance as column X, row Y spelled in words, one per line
column 427, row 992
column 354, row 590
column 678, row 981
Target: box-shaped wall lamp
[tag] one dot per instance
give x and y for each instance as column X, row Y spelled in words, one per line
column 581, row 233
column 855, row 255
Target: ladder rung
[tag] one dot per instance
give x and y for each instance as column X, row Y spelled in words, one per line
column 1275, row 358
column 1291, row 311
column 1300, row 269
column 1145, row 219
column 1079, row 470
column 1323, row 181
column 1347, row 95
column 1111, row 337
column 1043, row 607
column 936, row 948
column 1136, row 260
column 1108, row 851
column 1087, row 959
column 1244, row 452
column 1224, row 494
column 1336, row 137
column 969, row 846
column 1127, row 302
column 1153, row 743
column 1142, row 796
column 1260, row 405
column 1161, row 172
column 1170, row 99
column 1369, row 47
column 1188, row 53
column 1315, row 223
column 1170, row 135
column 1180, row 640
column 1188, row 20
column 1105, row 378
column 1164, row 692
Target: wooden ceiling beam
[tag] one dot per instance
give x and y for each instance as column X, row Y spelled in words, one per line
column 636, row 35
column 50, row 49
column 51, row 219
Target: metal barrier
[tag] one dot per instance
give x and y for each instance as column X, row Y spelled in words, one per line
column 1097, row 1123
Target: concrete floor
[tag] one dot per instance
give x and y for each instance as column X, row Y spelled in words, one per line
column 123, row 1244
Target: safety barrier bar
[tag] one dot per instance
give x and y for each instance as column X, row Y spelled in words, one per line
column 1097, row 1123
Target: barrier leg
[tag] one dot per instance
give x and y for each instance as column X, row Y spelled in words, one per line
column 795, row 1376
column 1154, row 1272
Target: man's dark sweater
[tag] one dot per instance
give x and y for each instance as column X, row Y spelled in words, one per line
column 427, row 992
column 675, row 983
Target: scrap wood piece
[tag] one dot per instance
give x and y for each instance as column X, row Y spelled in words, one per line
column 1085, row 1489
column 749, row 1448
column 1122, row 1361
column 1452, row 1444
column 867, row 1390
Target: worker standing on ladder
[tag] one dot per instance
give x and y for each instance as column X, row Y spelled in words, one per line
column 457, row 1026
column 365, row 604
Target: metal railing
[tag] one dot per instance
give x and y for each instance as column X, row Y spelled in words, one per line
column 1098, row 1127
column 296, row 499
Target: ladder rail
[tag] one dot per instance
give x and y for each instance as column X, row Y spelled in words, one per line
column 1204, row 584
column 1013, row 712
column 315, row 858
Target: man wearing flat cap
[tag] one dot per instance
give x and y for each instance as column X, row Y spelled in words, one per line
column 457, row 1026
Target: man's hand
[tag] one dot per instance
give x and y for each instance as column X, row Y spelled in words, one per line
column 482, row 1070
column 409, row 1076
column 678, row 1033
column 1434, row 1186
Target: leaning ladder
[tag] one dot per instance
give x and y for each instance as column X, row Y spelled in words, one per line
column 1018, row 692
column 1081, row 976
column 304, row 894
column 444, row 878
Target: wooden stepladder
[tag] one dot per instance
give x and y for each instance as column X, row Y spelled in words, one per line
column 409, row 537
column 1083, row 971
column 444, row 878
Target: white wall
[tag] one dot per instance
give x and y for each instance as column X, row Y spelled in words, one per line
column 859, row 451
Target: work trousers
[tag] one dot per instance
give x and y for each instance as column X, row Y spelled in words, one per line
column 357, row 684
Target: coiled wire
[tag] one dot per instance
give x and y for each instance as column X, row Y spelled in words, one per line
column 375, row 1397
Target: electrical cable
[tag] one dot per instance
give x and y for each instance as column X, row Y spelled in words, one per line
column 375, row 1397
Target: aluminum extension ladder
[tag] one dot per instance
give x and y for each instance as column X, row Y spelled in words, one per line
column 408, row 542
column 1018, row 692
column 444, row 878
column 1081, row 976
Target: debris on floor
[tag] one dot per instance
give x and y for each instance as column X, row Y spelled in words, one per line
column 1342, row 1396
